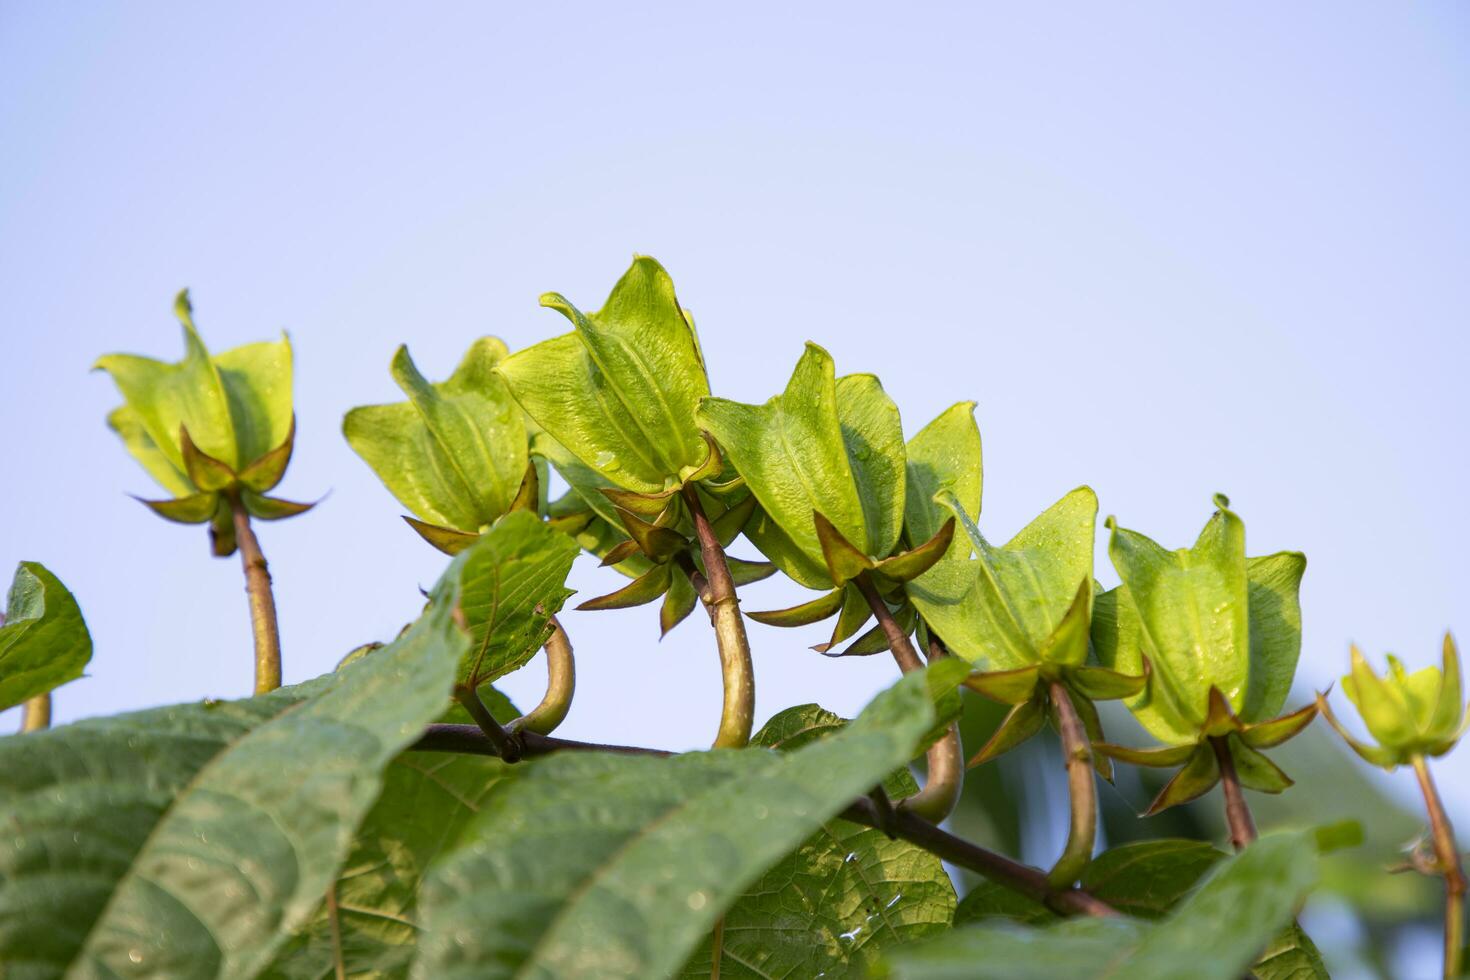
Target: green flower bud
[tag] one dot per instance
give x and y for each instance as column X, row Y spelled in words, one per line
column 1423, row 713
column 209, row 428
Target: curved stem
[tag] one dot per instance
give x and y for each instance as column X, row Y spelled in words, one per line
column 37, row 713
column 1448, row 858
column 1082, row 835
column 1237, row 811
column 737, row 715
column 262, row 602
column 1011, row 874
column 945, row 759
column 561, row 684
column 509, row 747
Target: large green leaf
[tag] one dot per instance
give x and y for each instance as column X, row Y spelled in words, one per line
column 1214, row 934
column 1017, row 594
column 44, row 642
column 834, row 903
column 794, row 457
column 511, row 583
column 193, row 840
column 944, row 455
column 455, row 453
column 596, row 865
column 619, row 392
column 426, row 801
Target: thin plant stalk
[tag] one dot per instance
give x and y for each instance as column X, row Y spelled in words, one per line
column 561, row 684
column 508, row 746
column 1082, row 835
column 717, row 948
column 737, row 715
column 899, row 823
column 1447, row 856
column 334, row 919
column 262, row 602
column 36, row 715
column 1237, row 811
column 945, row 759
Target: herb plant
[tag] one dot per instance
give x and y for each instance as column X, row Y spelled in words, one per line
column 400, row 817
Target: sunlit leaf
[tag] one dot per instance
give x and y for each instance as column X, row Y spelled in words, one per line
column 194, row 840
column 512, row 581
column 1216, row 933
column 44, row 642
column 610, row 866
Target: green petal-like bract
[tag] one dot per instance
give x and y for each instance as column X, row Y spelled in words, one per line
column 619, row 392
column 455, row 453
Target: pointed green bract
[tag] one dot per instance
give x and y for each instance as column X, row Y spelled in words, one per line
column 1275, row 614
column 1216, row 933
column 1193, row 613
column 257, row 382
column 44, row 642
column 619, row 392
column 140, row 445
column 945, row 455
column 1423, row 713
column 511, row 582
column 236, row 405
column 594, row 865
column 209, row 429
column 793, row 456
column 1017, row 595
column 1204, row 616
column 194, row 840
column 455, row 453
column 873, row 436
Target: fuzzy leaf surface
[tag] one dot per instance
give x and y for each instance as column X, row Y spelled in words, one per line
column 594, row 865
column 426, row 801
column 845, row 894
column 195, row 840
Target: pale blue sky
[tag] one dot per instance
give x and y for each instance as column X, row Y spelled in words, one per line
column 1168, row 252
